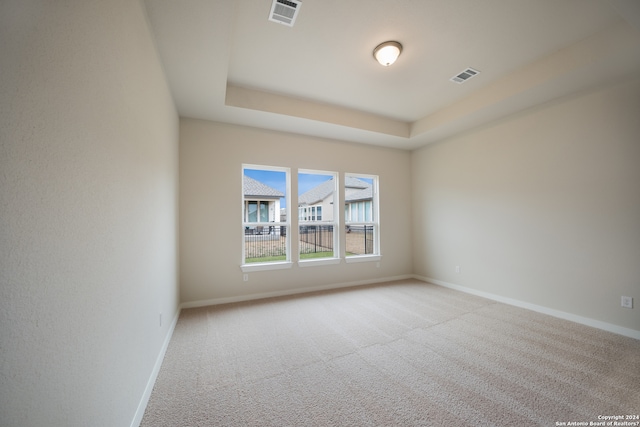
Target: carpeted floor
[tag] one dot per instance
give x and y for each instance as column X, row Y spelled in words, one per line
column 400, row 354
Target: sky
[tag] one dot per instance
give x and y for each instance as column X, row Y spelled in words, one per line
column 277, row 180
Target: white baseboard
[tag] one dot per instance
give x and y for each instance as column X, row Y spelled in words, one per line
column 156, row 369
column 632, row 333
column 137, row 419
column 250, row 297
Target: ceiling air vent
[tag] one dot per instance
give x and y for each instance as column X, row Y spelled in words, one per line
column 465, row 75
column 284, row 11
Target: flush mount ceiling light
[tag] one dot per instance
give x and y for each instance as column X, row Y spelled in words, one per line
column 386, row 53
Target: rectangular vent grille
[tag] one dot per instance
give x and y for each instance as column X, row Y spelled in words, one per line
column 465, row 75
column 284, row 11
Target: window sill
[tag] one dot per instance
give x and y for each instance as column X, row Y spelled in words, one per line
column 246, row 268
column 316, row 262
column 363, row 258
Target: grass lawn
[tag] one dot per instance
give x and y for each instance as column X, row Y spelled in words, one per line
column 326, row 254
column 266, row 259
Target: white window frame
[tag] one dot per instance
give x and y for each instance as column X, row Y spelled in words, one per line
column 335, row 259
column 375, row 221
column 270, row 265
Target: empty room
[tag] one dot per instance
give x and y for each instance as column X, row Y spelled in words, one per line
column 319, row 213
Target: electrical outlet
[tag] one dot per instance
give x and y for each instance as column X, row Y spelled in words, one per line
column 245, row 277
column 626, row 302
column 457, row 269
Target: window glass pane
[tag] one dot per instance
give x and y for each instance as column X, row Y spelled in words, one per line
column 316, row 241
column 264, row 211
column 316, row 195
column 253, row 212
column 360, row 240
column 360, row 207
column 265, row 200
column 265, row 244
column 316, row 190
column 267, row 186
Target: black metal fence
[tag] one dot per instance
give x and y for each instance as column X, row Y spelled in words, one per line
column 316, row 239
column 262, row 244
column 368, row 239
column 360, row 240
column 268, row 243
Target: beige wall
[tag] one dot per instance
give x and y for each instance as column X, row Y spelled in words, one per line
column 88, row 195
column 211, row 155
column 543, row 207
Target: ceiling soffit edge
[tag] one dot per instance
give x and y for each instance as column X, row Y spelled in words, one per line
column 538, row 74
column 241, row 97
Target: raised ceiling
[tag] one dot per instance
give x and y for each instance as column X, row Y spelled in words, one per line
column 225, row 61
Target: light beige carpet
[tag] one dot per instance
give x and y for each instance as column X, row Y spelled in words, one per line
column 399, row 354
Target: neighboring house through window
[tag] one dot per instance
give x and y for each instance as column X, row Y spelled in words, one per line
column 266, row 231
column 361, row 215
column 261, row 202
column 317, row 215
column 266, row 224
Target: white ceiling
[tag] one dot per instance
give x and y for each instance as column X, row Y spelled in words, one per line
column 225, row 61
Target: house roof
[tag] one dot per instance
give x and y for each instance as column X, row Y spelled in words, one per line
column 317, row 193
column 255, row 188
column 365, row 194
column 321, row 191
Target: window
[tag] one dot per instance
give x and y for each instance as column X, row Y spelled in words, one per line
column 317, row 215
column 257, row 209
column 361, row 216
column 319, row 233
column 310, row 213
column 265, row 224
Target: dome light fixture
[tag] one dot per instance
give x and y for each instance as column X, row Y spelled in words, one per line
column 386, row 53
